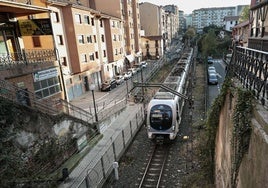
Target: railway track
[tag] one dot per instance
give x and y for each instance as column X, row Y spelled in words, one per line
column 155, row 167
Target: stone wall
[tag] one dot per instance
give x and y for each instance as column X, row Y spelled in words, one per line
column 32, row 141
column 253, row 170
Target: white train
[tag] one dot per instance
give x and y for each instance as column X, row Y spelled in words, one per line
column 165, row 109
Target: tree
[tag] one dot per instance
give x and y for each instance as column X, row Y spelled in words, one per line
column 244, row 14
column 189, row 35
column 209, row 43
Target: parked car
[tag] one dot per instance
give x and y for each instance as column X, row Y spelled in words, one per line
column 212, row 79
column 108, row 85
column 127, row 75
column 210, row 60
column 144, row 64
column 133, row 71
column 119, row 79
column 212, row 72
column 212, row 69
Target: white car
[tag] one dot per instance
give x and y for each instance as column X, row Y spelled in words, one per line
column 133, row 70
column 144, row 64
column 119, row 79
column 212, row 79
column 211, row 68
column 127, row 75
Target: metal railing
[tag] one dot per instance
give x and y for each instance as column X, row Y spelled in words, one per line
column 25, row 57
column 250, row 66
column 52, row 107
column 109, row 149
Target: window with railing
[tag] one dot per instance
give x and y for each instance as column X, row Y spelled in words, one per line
column 81, row 39
column 89, row 39
column 97, row 55
column 55, row 17
column 104, row 53
column 92, row 21
column 78, row 18
column 63, row 61
column 95, row 38
column 59, row 39
column 84, row 58
column 91, row 57
column 86, row 19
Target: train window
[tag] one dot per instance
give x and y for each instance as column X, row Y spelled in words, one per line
column 161, row 117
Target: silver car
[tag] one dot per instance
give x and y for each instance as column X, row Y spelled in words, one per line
column 212, row 79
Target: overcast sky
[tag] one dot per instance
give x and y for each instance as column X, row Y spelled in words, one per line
column 189, row 5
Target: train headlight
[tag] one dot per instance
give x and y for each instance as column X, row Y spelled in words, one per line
column 173, row 128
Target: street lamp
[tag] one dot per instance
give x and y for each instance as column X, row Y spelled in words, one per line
column 92, row 88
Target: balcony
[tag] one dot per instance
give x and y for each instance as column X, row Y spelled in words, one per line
column 26, row 61
column 21, row 7
column 258, row 44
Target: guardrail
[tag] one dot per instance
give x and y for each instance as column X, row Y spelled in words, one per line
column 250, row 66
column 8, row 60
column 52, row 107
column 110, row 150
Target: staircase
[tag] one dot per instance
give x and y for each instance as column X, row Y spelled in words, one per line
column 48, row 106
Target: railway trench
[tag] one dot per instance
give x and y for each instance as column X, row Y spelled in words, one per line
column 183, row 157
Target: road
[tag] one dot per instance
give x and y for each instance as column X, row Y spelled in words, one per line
column 214, row 90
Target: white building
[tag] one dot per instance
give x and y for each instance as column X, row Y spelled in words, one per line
column 230, row 22
column 213, row 16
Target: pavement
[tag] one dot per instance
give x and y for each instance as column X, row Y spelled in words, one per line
column 85, row 101
column 77, row 175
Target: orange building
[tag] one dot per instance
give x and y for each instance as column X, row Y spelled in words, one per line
column 27, row 53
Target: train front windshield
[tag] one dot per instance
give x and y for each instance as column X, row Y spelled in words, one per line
column 161, row 117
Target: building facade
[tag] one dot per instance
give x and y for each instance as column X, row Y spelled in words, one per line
column 28, row 57
column 258, row 35
column 213, row 16
column 80, row 42
column 127, row 10
column 230, row 22
column 160, row 25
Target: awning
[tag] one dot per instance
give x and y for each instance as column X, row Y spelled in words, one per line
column 20, row 9
column 130, row 58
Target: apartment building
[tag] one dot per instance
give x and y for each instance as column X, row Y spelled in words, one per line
column 173, row 15
column 127, row 10
column 27, row 53
column 83, row 43
column 240, row 34
column 211, row 16
column 188, row 21
column 230, row 22
column 160, row 25
column 258, row 34
column 153, row 23
column 214, row 16
column 182, row 22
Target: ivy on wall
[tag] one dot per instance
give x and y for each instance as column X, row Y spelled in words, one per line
column 212, row 128
column 241, row 120
column 241, row 131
